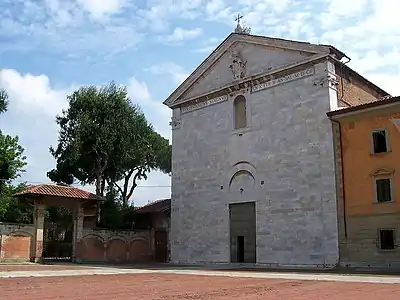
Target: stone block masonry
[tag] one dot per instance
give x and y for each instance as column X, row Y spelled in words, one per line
column 287, row 153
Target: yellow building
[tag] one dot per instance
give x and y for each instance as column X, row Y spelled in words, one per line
column 367, row 145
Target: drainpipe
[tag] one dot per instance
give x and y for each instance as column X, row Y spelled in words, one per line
column 342, row 171
column 341, row 80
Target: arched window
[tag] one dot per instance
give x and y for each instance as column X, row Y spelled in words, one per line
column 240, row 112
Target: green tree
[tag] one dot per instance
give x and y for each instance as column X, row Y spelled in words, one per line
column 89, row 134
column 12, row 159
column 12, row 209
column 145, row 150
column 104, row 139
column 113, row 214
column 12, row 162
column 3, row 100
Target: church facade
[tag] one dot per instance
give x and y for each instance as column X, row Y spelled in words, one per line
column 254, row 169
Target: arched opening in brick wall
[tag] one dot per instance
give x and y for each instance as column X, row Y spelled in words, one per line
column 139, row 251
column 117, row 250
column 91, row 249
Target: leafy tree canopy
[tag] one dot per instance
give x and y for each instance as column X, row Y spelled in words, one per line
column 12, row 162
column 12, row 159
column 13, row 209
column 3, row 100
column 105, row 139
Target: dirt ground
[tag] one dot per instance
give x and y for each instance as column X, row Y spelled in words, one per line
column 11, row 268
column 166, row 286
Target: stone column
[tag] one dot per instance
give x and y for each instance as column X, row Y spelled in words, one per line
column 2, row 240
column 78, row 230
column 38, row 223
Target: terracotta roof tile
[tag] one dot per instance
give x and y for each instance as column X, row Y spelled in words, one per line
column 163, row 205
column 58, row 191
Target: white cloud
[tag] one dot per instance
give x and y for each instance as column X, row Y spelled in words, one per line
column 208, row 45
column 34, row 103
column 33, row 93
column 157, row 113
column 46, row 25
column 387, row 82
column 338, row 10
column 98, row 9
column 181, row 34
column 158, row 14
column 370, row 40
column 177, row 72
column 214, row 6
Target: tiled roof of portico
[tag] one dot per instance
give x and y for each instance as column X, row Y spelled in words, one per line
column 58, row 191
column 159, row 206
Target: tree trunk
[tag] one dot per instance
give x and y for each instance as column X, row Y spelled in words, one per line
column 98, row 186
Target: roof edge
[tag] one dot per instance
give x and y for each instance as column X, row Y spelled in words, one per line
column 31, row 190
column 320, row 48
column 369, row 83
column 380, row 104
column 166, row 102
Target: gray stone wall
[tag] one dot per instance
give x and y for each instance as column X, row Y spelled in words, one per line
column 15, row 229
column 107, row 234
column 288, row 151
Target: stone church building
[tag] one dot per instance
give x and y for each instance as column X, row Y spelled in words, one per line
column 254, row 176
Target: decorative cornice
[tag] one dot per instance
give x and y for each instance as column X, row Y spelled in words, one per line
column 283, row 79
column 203, row 103
column 249, row 86
column 383, row 172
column 259, row 78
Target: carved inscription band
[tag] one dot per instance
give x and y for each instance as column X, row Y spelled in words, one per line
column 283, row 79
column 255, row 88
column 203, row 104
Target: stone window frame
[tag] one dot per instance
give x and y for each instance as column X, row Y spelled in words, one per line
column 246, row 94
column 387, row 141
column 378, row 244
column 383, row 175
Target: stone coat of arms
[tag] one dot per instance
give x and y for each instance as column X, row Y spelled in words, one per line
column 238, row 66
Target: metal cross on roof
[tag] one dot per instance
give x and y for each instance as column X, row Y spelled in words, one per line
column 238, row 18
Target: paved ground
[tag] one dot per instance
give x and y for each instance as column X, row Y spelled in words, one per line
column 80, row 282
column 171, row 286
column 34, row 267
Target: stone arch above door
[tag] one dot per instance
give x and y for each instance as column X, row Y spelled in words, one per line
column 241, row 177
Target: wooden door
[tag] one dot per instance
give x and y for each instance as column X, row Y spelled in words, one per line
column 160, row 244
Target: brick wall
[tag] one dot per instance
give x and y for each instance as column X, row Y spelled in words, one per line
column 115, row 246
column 15, row 242
column 353, row 91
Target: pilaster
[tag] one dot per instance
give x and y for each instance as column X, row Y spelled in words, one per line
column 78, row 229
column 38, row 223
column 2, row 240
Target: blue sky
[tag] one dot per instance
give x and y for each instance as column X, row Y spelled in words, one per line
column 48, row 48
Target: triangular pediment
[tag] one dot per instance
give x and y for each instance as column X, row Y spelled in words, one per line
column 242, row 56
column 396, row 122
column 382, row 172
